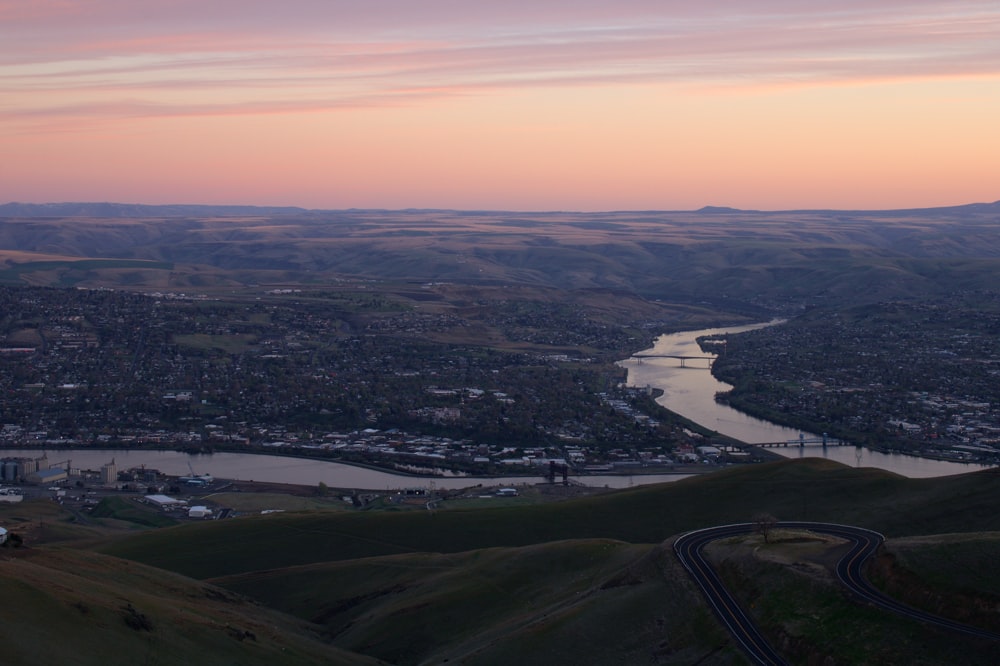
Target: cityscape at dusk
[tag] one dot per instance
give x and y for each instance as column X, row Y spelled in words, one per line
column 542, row 105
column 371, row 332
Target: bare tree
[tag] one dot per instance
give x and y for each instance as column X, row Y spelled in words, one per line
column 763, row 524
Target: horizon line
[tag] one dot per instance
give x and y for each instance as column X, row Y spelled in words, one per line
column 708, row 208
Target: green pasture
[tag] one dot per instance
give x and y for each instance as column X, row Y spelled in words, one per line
column 813, row 489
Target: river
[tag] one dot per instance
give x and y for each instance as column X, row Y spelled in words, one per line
column 299, row 471
column 689, row 390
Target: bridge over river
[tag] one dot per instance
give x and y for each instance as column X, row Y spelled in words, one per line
column 804, row 441
column 682, row 358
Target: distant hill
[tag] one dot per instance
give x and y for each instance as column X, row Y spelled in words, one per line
column 732, row 258
column 118, row 210
column 719, row 209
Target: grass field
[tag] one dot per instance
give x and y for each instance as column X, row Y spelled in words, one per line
column 799, row 605
column 74, row 607
column 954, row 575
column 812, row 489
column 230, row 344
column 128, row 510
column 960, row 562
column 257, row 502
column 584, row 601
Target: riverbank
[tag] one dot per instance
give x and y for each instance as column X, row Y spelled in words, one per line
column 690, row 392
column 311, row 471
column 388, row 467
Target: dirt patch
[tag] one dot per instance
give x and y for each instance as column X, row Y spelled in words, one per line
column 815, row 555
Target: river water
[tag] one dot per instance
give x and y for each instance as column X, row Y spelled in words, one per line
column 689, row 390
column 300, row 471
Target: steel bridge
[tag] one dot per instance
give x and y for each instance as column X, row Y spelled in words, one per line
column 803, row 442
column 679, row 357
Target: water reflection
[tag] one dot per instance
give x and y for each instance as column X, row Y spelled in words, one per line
column 690, row 391
column 302, row 471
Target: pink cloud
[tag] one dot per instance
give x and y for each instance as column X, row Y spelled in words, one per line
column 115, row 58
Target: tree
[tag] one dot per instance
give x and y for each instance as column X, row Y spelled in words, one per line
column 763, row 524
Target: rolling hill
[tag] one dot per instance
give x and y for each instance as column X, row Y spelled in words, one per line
column 776, row 259
column 590, row 580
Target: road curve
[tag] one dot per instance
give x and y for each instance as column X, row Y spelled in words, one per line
column 688, row 548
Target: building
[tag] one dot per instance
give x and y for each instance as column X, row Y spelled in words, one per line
column 164, row 501
column 47, row 477
column 109, row 473
column 14, row 469
column 8, row 469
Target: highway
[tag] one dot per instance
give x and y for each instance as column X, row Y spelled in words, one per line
column 688, row 548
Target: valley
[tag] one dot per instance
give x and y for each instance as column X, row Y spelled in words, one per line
column 489, row 343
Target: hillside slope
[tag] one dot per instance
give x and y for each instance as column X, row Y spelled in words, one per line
column 581, row 602
column 810, row 489
column 773, row 258
column 68, row 606
column 591, row 580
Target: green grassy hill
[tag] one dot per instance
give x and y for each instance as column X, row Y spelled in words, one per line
column 584, row 581
column 584, row 601
column 812, row 489
column 787, row 586
column 67, row 606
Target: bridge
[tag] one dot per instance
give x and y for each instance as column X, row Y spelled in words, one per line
column 681, row 358
column 804, row 441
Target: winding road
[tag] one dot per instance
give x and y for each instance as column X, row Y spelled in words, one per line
column 688, row 548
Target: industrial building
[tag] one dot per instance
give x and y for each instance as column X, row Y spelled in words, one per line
column 109, row 473
column 46, row 477
column 164, row 501
column 199, row 512
column 18, row 469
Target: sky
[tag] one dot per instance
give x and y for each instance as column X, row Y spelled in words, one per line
column 516, row 105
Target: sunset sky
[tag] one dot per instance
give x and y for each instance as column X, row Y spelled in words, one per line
column 519, row 105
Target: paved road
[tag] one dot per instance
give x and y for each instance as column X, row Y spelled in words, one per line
column 849, row 572
column 689, row 550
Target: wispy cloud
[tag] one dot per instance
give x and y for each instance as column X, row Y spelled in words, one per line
column 113, row 59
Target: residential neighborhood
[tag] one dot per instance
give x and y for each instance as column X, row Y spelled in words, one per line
column 109, row 369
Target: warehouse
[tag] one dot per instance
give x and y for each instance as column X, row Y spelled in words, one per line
column 164, row 501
